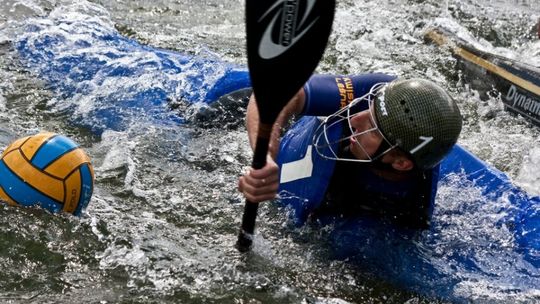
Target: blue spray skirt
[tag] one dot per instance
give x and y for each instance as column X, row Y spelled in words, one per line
column 485, row 232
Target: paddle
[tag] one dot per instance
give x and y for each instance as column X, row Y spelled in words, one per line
column 285, row 41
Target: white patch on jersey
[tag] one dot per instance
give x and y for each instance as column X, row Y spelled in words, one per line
column 297, row 169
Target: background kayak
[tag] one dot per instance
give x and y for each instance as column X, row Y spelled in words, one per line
column 155, row 231
column 517, row 83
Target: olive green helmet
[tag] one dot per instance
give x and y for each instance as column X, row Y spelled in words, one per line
column 419, row 117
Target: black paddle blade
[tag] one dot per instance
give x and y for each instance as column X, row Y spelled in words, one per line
column 285, row 42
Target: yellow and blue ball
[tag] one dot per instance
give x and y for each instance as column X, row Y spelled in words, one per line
column 48, row 170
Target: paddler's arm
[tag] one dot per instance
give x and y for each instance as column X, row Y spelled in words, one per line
column 262, row 185
column 293, row 107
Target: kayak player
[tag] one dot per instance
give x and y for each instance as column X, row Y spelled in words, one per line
column 362, row 145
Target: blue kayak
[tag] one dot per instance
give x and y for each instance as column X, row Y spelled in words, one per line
column 128, row 81
column 485, row 231
column 484, row 235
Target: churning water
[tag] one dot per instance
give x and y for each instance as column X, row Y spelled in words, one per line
column 164, row 216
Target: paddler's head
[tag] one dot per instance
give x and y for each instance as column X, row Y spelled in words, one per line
column 408, row 124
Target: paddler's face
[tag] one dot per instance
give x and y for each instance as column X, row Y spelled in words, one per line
column 367, row 139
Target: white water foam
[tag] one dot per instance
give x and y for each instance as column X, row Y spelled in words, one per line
column 529, row 175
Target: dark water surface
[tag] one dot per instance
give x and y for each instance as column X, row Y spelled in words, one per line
column 164, row 216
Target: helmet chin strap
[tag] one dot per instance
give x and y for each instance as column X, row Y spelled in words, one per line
column 378, row 164
column 384, row 148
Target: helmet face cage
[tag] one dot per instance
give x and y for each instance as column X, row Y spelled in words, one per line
column 328, row 147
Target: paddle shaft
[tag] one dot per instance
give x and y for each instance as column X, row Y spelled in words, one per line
column 245, row 237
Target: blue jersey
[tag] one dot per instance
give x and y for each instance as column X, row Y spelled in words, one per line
column 313, row 185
